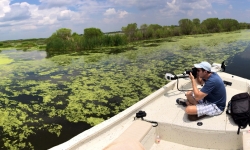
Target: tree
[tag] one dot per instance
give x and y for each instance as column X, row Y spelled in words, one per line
column 212, row 25
column 196, row 26
column 196, row 22
column 229, row 24
column 186, row 26
column 143, row 29
column 130, row 30
column 63, row 33
column 92, row 33
column 139, row 35
column 59, row 42
column 152, row 31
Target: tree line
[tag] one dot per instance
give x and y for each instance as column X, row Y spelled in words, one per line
column 63, row 41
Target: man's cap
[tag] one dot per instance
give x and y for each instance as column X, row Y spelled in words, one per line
column 205, row 65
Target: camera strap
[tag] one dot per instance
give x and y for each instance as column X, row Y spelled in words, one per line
column 142, row 114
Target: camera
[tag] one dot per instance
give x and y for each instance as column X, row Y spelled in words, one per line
column 193, row 71
column 141, row 114
column 185, row 74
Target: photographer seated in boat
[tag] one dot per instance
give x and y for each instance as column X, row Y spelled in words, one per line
column 210, row 100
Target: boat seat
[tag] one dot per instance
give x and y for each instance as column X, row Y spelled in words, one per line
column 131, row 137
column 136, row 131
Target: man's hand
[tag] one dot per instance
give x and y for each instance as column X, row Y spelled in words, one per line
column 191, row 76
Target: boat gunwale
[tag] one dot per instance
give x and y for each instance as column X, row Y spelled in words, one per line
column 86, row 135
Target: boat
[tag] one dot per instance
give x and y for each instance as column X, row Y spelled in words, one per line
column 165, row 125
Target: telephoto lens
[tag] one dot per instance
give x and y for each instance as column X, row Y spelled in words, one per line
column 193, row 71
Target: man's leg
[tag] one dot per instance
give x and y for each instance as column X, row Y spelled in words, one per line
column 191, row 110
column 190, row 98
column 192, row 113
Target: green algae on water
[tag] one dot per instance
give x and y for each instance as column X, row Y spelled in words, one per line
column 36, row 92
column 5, row 60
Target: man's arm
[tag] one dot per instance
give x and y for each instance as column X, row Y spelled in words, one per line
column 197, row 93
column 199, row 81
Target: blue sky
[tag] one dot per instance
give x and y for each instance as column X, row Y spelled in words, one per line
column 22, row 19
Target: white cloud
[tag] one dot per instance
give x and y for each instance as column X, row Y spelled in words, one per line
column 178, row 7
column 108, row 15
column 209, row 12
column 4, row 7
column 110, row 11
column 122, row 14
column 230, row 7
column 65, row 15
column 93, row 6
column 57, row 3
column 18, row 11
column 140, row 4
column 219, row 1
column 126, row 2
column 113, row 12
column 28, row 27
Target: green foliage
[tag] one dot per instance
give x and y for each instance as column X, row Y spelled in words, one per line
column 212, row 25
column 196, row 22
column 92, row 88
column 154, row 30
column 5, row 45
column 62, row 42
column 244, row 25
column 26, row 44
column 63, row 33
column 92, row 33
column 59, row 42
column 186, row 26
column 229, row 25
column 130, row 31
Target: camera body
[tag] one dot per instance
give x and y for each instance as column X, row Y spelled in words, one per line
column 141, row 114
column 193, row 71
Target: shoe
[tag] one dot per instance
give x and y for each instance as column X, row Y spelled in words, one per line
column 181, row 101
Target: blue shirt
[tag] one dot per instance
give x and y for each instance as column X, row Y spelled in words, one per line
column 215, row 90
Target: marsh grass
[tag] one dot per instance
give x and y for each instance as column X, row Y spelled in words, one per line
column 29, row 44
column 39, row 94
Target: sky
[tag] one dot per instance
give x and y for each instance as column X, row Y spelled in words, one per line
column 24, row 19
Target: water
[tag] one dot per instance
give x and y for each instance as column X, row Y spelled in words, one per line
column 45, row 102
column 239, row 64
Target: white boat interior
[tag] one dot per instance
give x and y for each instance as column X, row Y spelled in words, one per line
column 175, row 130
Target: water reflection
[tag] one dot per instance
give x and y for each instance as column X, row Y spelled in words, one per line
column 239, row 64
column 19, row 55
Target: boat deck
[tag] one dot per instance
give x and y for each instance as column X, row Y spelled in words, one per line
column 176, row 124
column 174, row 129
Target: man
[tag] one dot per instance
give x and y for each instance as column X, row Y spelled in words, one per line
column 211, row 99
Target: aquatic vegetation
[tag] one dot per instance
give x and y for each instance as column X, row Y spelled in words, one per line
column 5, row 60
column 27, row 44
column 39, row 94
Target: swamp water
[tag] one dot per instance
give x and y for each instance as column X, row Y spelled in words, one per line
column 47, row 101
